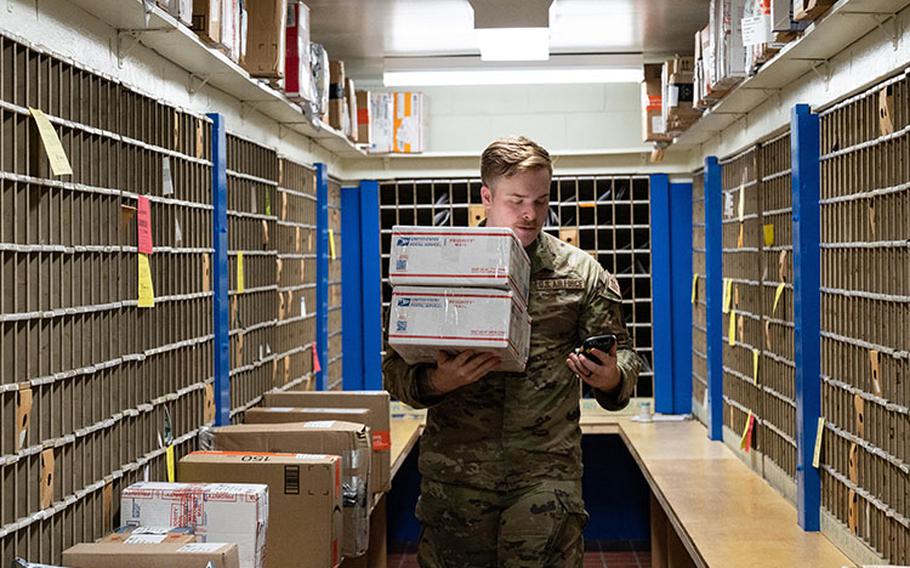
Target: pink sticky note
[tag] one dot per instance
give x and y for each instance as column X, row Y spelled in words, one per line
column 144, row 219
column 316, row 366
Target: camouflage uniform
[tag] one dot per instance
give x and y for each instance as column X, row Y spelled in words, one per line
column 501, row 458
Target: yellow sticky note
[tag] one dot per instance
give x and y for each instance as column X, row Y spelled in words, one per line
column 817, row 454
column 694, row 287
column 769, row 235
column 146, row 288
column 60, row 164
column 332, row 243
column 241, row 279
column 777, row 295
column 170, row 464
column 742, row 202
column 755, row 366
column 732, row 331
column 728, row 295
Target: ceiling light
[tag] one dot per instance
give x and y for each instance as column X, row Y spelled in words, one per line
column 499, row 76
column 514, row 44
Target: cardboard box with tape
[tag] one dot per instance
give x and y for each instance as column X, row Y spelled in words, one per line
column 336, row 94
column 305, row 509
column 459, row 256
column 652, row 128
column 298, row 83
column 350, row 100
column 170, row 555
column 407, row 123
column 266, row 36
column 364, row 126
column 424, row 321
column 217, row 512
column 207, row 20
column 131, row 534
column 378, row 419
column 345, row 439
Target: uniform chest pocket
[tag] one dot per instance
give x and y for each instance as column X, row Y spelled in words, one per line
column 554, row 307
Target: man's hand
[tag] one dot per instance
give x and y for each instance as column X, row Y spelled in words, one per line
column 605, row 377
column 453, row 372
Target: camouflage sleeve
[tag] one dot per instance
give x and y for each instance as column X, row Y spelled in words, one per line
column 403, row 381
column 602, row 314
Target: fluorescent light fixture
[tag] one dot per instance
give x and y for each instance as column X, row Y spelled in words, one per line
column 542, row 76
column 514, row 44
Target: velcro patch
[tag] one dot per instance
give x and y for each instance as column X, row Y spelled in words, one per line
column 558, row 284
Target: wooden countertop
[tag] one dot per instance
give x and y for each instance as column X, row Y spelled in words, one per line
column 725, row 514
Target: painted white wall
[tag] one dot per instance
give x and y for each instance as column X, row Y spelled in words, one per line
column 67, row 30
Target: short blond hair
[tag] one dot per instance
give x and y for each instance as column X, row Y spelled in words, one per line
column 512, row 155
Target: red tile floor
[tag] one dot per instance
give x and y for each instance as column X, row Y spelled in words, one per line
column 598, row 554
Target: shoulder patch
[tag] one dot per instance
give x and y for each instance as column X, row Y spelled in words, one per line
column 613, row 285
column 558, row 284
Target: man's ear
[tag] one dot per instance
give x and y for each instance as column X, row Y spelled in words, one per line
column 486, row 195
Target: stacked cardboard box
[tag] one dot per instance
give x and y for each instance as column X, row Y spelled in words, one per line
column 678, row 96
column 222, row 24
column 132, row 534
column 120, row 555
column 335, row 438
column 267, row 33
column 407, row 124
column 382, row 109
column 808, row 10
column 217, row 512
column 298, row 77
column 304, row 500
column 652, row 127
column 457, row 289
column 336, row 95
column 364, row 127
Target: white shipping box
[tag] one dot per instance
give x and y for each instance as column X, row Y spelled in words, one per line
column 459, row 256
column 217, row 512
column 382, row 109
column 424, row 321
column 730, row 55
column 408, row 123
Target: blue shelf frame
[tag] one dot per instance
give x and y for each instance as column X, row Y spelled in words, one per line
column 322, row 273
column 371, row 285
column 805, row 181
column 714, row 292
column 351, row 289
column 221, row 324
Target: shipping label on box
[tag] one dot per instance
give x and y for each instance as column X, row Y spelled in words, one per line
column 217, row 512
column 459, row 256
column 382, row 110
column 424, row 321
column 305, row 504
column 298, row 81
column 407, row 127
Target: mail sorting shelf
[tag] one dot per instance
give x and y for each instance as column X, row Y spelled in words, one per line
column 335, row 368
column 741, row 249
column 92, row 387
column 865, row 307
column 607, row 216
column 776, row 368
column 295, row 334
column 252, row 174
column 699, row 308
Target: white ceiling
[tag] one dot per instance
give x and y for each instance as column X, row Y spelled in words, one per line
column 375, row 29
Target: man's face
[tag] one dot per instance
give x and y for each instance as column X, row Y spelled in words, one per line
column 519, row 202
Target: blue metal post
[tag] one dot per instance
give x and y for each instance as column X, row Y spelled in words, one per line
column 661, row 296
column 804, row 155
column 371, row 285
column 351, row 290
column 322, row 273
column 220, row 272
column 681, row 269
column 714, row 295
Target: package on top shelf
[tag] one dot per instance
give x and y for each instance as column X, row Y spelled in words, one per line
column 653, row 128
column 304, row 500
column 170, row 6
column 185, row 12
column 350, row 96
column 677, row 95
column 298, row 81
column 267, row 33
column 319, row 63
column 207, row 20
column 118, row 555
column 217, row 512
column 783, row 24
column 810, row 9
column 425, row 320
column 336, row 94
column 382, row 109
column 730, row 53
column 227, row 27
column 407, row 123
column 758, row 35
column 364, row 120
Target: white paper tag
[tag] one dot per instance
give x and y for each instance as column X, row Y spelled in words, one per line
column 316, row 424
column 145, row 539
column 200, row 547
column 281, row 409
column 672, row 96
column 657, row 125
column 302, row 307
column 756, row 30
column 728, row 204
column 178, row 232
column 168, row 178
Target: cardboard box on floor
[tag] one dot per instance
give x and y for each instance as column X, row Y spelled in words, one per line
column 424, row 321
column 477, row 257
column 377, row 402
column 305, row 511
column 131, row 534
column 266, row 36
column 217, row 512
column 348, row 440
column 285, row 414
column 119, row 555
